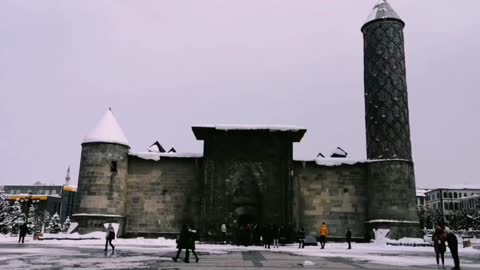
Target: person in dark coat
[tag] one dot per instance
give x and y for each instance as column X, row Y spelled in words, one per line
column 109, row 236
column 301, row 238
column 183, row 243
column 22, row 232
column 453, row 246
column 438, row 239
column 267, row 236
column 191, row 241
column 349, row 238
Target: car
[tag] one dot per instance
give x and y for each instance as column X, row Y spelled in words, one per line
column 310, row 240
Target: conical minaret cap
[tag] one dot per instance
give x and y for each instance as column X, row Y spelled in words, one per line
column 107, row 130
column 382, row 11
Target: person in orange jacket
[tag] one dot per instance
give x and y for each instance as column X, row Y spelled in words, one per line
column 323, row 235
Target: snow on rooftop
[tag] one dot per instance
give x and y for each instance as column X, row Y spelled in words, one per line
column 157, row 156
column 344, row 161
column 382, row 10
column 107, row 130
column 338, row 161
column 421, row 192
column 252, row 127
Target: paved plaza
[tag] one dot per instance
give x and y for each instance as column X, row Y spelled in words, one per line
column 40, row 256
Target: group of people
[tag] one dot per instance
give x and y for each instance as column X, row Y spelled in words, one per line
column 251, row 234
column 269, row 236
column 186, row 240
column 440, row 238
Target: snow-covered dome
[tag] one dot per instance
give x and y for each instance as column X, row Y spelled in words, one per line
column 107, row 130
column 382, row 10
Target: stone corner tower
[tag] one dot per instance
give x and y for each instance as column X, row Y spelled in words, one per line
column 391, row 177
column 102, row 180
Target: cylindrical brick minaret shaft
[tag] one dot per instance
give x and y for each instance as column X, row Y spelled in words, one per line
column 391, row 179
column 386, row 101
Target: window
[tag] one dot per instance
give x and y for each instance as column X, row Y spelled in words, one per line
column 53, row 192
column 456, row 206
column 446, row 206
column 444, row 195
column 113, row 167
column 464, row 194
column 460, row 195
column 455, row 195
column 451, row 206
column 450, row 195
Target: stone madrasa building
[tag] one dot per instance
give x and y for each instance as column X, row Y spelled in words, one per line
column 247, row 174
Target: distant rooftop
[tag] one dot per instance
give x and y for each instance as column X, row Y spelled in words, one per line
column 459, row 186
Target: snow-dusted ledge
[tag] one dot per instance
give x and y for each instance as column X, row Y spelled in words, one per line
column 345, row 161
column 252, row 127
column 391, row 221
column 96, row 215
column 157, row 156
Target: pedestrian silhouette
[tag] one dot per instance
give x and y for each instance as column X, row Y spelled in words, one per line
column 109, row 236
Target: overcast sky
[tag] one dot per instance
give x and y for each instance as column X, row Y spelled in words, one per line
column 165, row 65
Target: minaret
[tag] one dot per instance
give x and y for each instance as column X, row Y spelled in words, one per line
column 67, row 178
column 386, row 101
column 391, row 180
column 102, row 180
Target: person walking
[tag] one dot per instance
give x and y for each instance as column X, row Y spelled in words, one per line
column 453, row 246
column 323, row 235
column 223, row 228
column 183, row 243
column 301, row 238
column 438, row 239
column 109, row 236
column 275, row 235
column 267, row 236
column 191, row 241
column 22, row 232
column 349, row 238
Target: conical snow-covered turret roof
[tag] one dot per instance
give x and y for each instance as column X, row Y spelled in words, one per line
column 382, row 10
column 107, row 130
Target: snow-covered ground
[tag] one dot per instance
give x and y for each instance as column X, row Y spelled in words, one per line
column 151, row 248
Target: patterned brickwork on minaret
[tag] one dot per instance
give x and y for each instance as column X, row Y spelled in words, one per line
column 386, row 101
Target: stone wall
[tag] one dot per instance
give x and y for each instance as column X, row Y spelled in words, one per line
column 162, row 195
column 101, row 191
column 336, row 195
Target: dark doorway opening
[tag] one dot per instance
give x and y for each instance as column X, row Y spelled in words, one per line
column 246, row 219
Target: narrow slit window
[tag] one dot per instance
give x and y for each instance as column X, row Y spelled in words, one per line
column 113, row 167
